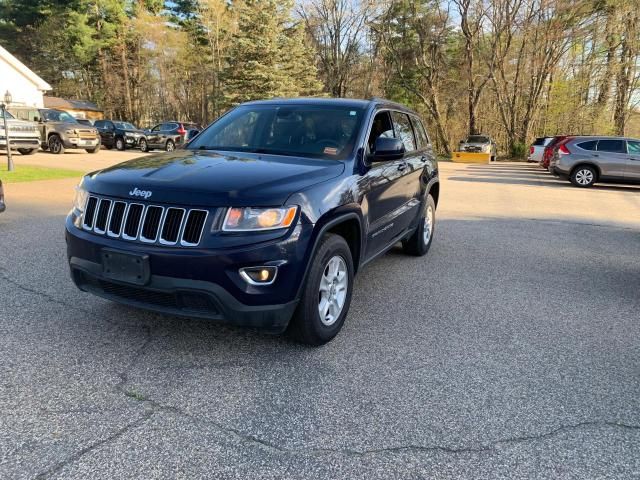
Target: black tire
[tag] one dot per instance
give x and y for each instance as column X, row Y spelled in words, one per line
column 419, row 244
column 584, row 176
column 120, row 144
column 55, row 144
column 144, row 146
column 27, row 151
column 93, row 150
column 170, row 146
column 306, row 325
column 108, row 147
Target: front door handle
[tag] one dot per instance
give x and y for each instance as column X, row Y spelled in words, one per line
column 424, row 159
column 402, row 166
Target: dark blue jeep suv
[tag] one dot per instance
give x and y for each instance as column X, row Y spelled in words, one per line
column 264, row 218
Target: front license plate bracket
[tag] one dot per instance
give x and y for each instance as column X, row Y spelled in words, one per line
column 125, row 267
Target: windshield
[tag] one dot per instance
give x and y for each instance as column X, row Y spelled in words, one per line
column 124, row 125
column 7, row 115
column 318, row 131
column 58, row 116
column 477, row 139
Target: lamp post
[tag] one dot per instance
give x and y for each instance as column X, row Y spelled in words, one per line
column 3, row 106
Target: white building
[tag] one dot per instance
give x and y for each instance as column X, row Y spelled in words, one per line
column 26, row 87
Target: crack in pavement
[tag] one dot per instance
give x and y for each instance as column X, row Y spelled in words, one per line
column 89, row 448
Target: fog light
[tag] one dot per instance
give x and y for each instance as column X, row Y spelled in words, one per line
column 259, row 275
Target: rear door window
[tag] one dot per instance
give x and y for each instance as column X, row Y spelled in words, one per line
column 612, row 146
column 590, row 145
column 403, row 130
column 421, row 134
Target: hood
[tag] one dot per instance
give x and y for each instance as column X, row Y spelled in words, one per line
column 188, row 177
column 16, row 125
column 133, row 130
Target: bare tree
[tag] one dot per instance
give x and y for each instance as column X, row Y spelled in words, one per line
column 336, row 27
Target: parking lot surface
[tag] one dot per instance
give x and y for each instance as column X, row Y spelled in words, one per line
column 510, row 351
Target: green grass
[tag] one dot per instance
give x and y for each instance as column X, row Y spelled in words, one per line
column 30, row 173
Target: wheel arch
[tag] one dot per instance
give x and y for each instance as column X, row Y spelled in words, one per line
column 587, row 164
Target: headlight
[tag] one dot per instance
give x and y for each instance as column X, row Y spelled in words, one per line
column 80, row 199
column 70, row 132
column 257, row 219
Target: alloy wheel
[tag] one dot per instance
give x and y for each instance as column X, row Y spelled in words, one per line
column 333, row 290
column 584, row 177
column 428, row 225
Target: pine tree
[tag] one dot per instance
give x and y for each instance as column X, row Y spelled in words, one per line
column 253, row 71
column 297, row 60
column 268, row 57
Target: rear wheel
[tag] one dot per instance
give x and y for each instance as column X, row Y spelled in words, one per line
column 27, row 151
column 326, row 294
column 144, row 147
column 55, row 144
column 419, row 243
column 584, row 176
column 170, row 146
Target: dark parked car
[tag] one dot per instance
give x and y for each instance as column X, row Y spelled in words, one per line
column 3, row 207
column 264, row 218
column 167, row 136
column 587, row 160
column 119, row 134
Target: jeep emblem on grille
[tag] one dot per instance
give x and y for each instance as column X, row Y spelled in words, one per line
column 140, row 193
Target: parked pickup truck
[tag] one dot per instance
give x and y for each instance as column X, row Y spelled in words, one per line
column 59, row 130
column 478, row 144
column 23, row 136
column 264, row 218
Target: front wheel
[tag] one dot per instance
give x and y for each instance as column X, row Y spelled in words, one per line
column 27, row 151
column 120, row 145
column 327, row 293
column 419, row 243
column 55, row 145
column 93, row 150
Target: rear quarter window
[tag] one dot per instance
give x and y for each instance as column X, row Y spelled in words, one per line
column 539, row 142
column 590, row 145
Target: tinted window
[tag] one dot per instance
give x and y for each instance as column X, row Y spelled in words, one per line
column 403, row 130
column 613, row 146
column 634, row 147
column 169, row 126
column 156, row 128
column 99, row 124
column 540, row 141
column 421, row 135
column 124, row 125
column 309, row 130
column 590, row 145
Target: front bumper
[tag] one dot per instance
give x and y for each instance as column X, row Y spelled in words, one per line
column 198, row 282
column 78, row 142
column 16, row 143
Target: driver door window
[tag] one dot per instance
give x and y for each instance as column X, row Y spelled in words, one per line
column 381, row 127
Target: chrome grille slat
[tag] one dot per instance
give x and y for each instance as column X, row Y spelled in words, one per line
column 152, row 224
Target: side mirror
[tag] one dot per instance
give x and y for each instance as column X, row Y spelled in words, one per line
column 385, row 149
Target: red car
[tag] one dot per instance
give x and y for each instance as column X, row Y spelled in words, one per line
column 549, row 149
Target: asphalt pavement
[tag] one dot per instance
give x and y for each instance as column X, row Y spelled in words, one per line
column 511, row 351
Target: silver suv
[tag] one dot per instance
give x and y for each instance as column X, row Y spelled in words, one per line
column 478, row 144
column 587, row 160
column 23, row 136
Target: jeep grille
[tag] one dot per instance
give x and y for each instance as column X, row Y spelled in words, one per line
column 144, row 223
